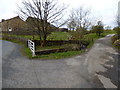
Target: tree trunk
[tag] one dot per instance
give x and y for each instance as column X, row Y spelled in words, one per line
column 33, row 35
column 44, row 41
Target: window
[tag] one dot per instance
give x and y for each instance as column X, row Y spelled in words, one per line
column 10, row 29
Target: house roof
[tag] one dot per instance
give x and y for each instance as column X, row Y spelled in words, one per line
column 11, row 19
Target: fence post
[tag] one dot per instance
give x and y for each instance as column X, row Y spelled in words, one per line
column 33, row 49
column 31, row 45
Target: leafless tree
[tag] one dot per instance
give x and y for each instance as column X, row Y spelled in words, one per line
column 41, row 13
column 83, row 18
column 80, row 18
column 72, row 21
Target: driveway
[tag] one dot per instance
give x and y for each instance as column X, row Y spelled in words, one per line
column 89, row 70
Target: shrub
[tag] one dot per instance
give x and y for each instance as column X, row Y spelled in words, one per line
column 99, row 28
column 73, row 47
column 114, row 38
column 75, row 35
column 117, row 30
column 117, row 42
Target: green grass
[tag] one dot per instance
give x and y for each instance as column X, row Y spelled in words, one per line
column 93, row 36
column 52, row 36
column 24, row 36
column 59, row 55
column 59, row 36
column 106, row 32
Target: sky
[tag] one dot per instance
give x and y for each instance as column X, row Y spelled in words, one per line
column 104, row 10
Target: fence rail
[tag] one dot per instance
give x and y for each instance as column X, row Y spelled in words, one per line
column 31, row 45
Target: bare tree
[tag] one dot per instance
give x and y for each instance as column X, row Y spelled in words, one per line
column 80, row 19
column 83, row 18
column 72, row 21
column 42, row 14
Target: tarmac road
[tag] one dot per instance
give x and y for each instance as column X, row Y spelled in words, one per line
column 97, row 68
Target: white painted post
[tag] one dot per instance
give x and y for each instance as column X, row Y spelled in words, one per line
column 31, row 45
column 33, row 49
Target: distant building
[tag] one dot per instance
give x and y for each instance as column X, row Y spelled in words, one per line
column 12, row 24
column 17, row 24
column 62, row 30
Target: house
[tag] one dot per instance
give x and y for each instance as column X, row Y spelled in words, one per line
column 12, row 24
column 62, row 30
column 25, row 27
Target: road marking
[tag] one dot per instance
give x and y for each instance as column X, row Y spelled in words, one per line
column 106, row 82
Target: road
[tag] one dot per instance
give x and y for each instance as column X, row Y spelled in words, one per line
column 97, row 68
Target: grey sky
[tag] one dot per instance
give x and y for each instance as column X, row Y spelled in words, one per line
column 104, row 10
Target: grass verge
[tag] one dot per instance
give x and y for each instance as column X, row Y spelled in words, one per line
column 59, row 55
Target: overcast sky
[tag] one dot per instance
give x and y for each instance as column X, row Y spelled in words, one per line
column 104, row 10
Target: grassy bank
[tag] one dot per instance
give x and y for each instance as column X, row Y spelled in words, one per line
column 59, row 55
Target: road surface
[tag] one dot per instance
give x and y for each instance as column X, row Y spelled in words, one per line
column 97, row 68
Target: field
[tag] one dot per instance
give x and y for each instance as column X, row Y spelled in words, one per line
column 52, row 36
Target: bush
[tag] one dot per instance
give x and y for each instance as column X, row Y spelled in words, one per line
column 117, row 42
column 73, row 47
column 86, row 42
column 114, row 38
column 75, row 35
column 117, row 30
column 99, row 28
